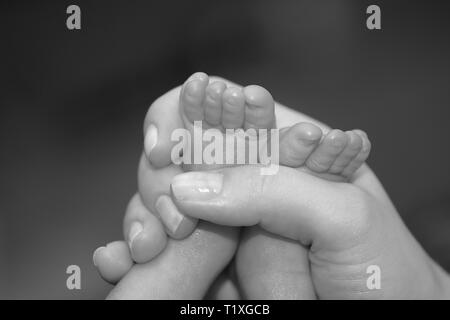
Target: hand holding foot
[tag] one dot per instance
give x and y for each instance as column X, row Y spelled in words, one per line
column 347, row 227
column 346, row 157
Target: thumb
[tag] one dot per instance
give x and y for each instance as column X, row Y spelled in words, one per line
column 289, row 203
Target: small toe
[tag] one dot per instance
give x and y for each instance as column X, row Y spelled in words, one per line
column 213, row 103
column 191, row 98
column 328, row 150
column 233, row 102
column 361, row 157
column 297, row 143
column 352, row 149
column 259, row 108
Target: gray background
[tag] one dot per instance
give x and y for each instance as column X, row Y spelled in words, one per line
column 72, row 105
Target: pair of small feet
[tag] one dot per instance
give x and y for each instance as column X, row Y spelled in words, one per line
column 334, row 155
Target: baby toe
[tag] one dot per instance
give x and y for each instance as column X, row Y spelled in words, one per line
column 361, row 157
column 233, row 101
column 259, row 108
column 213, row 103
column 328, row 150
column 352, row 149
column 191, row 98
column 297, row 143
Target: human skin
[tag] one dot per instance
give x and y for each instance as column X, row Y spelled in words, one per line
column 346, row 228
column 222, row 106
column 344, row 241
column 155, row 180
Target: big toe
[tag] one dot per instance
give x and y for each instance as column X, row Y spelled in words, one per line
column 259, row 108
column 192, row 96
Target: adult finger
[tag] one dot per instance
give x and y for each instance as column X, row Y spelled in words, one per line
column 113, row 261
column 289, row 203
column 184, row 270
column 154, row 190
column 143, row 231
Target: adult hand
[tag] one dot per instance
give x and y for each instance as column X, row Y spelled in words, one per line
column 269, row 274
column 143, row 230
column 186, row 268
column 365, row 180
column 352, row 230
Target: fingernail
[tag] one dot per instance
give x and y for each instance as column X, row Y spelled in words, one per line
column 135, row 229
column 150, row 140
column 168, row 213
column 197, row 185
column 95, row 255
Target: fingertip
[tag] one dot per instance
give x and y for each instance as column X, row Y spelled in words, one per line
column 96, row 255
column 143, row 231
column 185, row 229
column 149, row 242
column 113, row 261
column 146, row 246
column 177, row 225
column 134, row 231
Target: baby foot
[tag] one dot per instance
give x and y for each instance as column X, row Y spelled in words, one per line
column 334, row 156
column 225, row 107
column 216, row 106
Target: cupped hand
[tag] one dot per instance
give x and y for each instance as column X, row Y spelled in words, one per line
column 348, row 228
column 351, row 229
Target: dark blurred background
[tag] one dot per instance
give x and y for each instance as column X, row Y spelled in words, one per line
column 72, row 105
